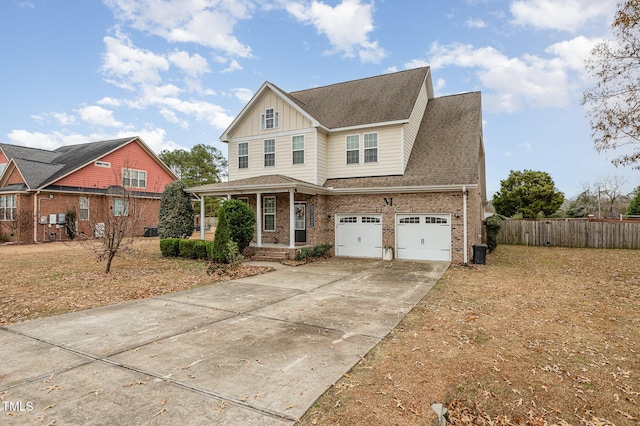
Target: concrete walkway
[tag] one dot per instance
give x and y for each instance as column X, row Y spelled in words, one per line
column 253, row 351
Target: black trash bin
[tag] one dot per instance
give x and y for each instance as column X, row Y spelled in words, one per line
column 480, row 254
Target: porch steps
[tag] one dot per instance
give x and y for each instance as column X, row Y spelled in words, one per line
column 271, row 254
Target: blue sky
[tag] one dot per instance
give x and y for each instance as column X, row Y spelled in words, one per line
column 176, row 72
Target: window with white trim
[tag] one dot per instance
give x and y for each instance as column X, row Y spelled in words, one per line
column 269, row 209
column 353, row 149
column 370, row 147
column 368, row 219
column 350, row 219
column 2, row 167
column 120, row 207
column 132, row 178
column 269, row 152
column 406, row 220
column 243, row 155
column 8, row 207
column 270, row 119
column 297, row 147
column 84, row 208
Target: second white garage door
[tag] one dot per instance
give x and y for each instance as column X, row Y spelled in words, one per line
column 359, row 235
column 423, row 236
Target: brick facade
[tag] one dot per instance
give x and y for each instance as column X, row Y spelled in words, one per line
column 325, row 208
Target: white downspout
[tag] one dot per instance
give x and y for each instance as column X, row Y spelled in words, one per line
column 35, row 217
column 464, row 224
column 202, row 217
column 292, row 219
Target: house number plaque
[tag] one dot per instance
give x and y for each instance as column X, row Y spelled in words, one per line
column 312, row 215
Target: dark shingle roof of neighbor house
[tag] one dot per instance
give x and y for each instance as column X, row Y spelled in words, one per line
column 40, row 167
column 363, row 101
column 446, row 150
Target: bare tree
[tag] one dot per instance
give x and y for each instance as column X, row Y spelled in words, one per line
column 22, row 222
column 116, row 226
column 608, row 195
column 613, row 104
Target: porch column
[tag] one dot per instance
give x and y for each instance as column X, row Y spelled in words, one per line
column 258, row 219
column 292, row 219
column 202, row 217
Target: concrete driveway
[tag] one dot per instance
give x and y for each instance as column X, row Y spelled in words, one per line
column 253, row 351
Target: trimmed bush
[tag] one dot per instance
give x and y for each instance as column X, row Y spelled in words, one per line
column 493, row 224
column 313, row 252
column 220, row 251
column 241, row 220
column 200, row 249
column 175, row 215
column 186, row 249
column 170, row 247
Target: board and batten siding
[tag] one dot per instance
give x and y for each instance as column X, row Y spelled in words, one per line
column 284, row 157
column 131, row 156
column 288, row 117
column 412, row 127
column 322, row 165
column 389, row 153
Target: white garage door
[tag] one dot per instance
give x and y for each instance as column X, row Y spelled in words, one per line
column 359, row 235
column 424, row 236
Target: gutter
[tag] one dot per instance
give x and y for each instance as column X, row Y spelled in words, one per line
column 464, row 225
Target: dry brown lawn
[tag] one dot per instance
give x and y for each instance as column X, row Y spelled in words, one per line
column 55, row 278
column 537, row 336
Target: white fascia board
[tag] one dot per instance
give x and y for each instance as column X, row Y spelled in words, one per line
column 401, row 189
column 370, row 125
column 253, row 189
column 272, row 135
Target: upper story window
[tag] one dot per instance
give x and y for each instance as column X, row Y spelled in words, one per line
column 269, row 152
column 297, row 147
column 104, row 164
column 132, row 178
column 243, row 155
column 2, row 167
column 270, row 119
column 8, row 207
column 370, row 147
column 353, row 149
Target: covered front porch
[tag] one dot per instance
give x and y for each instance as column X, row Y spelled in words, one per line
column 289, row 212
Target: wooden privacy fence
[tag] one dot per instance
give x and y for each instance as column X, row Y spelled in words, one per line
column 571, row 233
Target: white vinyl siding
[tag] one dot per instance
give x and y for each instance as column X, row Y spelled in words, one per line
column 269, row 209
column 243, row 155
column 269, row 152
column 353, row 149
column 297, row 149
column 283, row 158
column 389, row 154
column 370, row 147
column 412, row 127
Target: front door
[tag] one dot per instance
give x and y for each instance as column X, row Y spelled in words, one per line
column 301, row 222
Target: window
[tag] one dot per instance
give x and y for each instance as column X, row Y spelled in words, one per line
column 270, row 119
column 84, row 208
column 370, row 147
column 102, row 164
column 269, row 152
column 432, row 219
column 410, row 220
column 244, row 199
column 298, row 149
column 367, row 219
column 2, row 167
column 350, row 219
column 120, row 207
column 8, row 207
column 353, row 149
column 134, row 178
column 269, row 213
column 243, row 155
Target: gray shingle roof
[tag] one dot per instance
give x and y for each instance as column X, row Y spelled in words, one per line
column 446, row 150
column 363, row 101
column 40, row 167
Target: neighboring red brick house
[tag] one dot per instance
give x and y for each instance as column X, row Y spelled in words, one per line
column 364, row 165
column 38, row 188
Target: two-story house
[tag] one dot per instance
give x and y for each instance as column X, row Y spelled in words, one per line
column 39, row 188
column 363, row 165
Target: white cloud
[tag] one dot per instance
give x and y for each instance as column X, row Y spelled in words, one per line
column 109, row 101
column 62, row 118
column 475, row 23
column 192, row 65
column 512, row 82
column 562, row 15
column 130, row 65
column 209, row 23
column 99, row 116
column 243, row 94
column 347, row 26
